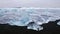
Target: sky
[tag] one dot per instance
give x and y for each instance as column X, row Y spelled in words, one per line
column 30, row 3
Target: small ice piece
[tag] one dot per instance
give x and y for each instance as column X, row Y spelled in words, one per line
column 34, row 26
column 58, row 23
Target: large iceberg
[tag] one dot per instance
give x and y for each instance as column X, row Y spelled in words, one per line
column 33, row 18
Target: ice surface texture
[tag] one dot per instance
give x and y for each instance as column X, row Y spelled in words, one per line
column 32, row 18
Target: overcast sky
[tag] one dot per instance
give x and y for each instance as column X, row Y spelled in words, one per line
column 30, row 3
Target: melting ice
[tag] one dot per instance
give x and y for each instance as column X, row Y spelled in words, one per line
column 32, row 18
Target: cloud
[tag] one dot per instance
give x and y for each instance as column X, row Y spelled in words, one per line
column 30, row 3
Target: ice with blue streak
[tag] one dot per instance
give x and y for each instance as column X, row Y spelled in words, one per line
column 24, row 17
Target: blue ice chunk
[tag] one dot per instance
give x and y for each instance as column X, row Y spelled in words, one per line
column 22, row 17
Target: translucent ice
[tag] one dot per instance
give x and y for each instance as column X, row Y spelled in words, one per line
column 24, row 17
column 58, row 23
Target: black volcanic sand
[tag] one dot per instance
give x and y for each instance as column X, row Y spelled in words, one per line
column 49, row 28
